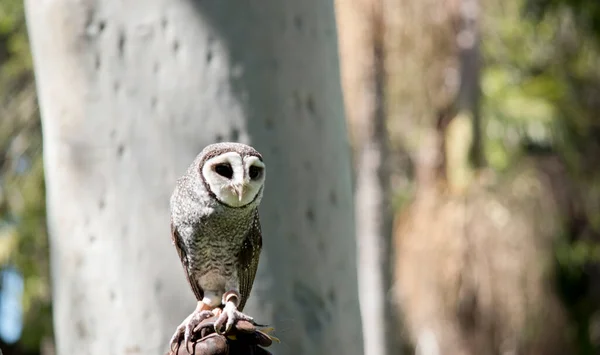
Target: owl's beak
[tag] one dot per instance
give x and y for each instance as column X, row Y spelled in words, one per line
column 239, row 190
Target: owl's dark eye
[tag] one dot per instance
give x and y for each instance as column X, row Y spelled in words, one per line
column 224, row 170
column 254, row 172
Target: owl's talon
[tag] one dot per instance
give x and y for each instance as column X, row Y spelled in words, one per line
column 186, row 329
column 229, row 316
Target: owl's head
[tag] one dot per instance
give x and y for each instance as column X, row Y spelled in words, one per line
column 233, row 172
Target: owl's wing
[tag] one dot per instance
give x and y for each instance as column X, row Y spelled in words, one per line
column 248, row 260
column 182, row 252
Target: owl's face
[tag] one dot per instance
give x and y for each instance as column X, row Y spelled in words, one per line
column 235, row 179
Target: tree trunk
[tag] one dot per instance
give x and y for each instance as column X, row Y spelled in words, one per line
column 362, row 45
column 130, row 92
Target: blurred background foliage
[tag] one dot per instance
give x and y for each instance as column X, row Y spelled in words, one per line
column 23, row 240
column 540, row 87
column 540, row 79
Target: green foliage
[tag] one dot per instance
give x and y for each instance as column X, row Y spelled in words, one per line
column 585, row 12
column 27, row 208
column 541, row 84
column 573, row 257
column 520, row 92
column 15, row 57
column 22, row 195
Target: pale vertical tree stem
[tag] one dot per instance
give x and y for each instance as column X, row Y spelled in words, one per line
column 373, row 210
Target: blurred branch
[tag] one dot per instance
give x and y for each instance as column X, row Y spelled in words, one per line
column 373, row 205
column 469, row 95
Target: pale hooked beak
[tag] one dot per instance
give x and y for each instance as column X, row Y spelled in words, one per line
column 238, row 189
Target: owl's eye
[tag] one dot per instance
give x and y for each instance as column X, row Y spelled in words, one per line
column 254, row 172
column 224, row 170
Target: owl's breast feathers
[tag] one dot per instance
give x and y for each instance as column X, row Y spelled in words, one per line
column 220, row 251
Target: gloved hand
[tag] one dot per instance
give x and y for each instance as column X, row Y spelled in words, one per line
column 244, row 338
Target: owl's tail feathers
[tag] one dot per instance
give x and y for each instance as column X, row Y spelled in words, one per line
column 265, row 332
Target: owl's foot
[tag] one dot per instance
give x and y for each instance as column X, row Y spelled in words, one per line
column 230, row 314
column 186, row 328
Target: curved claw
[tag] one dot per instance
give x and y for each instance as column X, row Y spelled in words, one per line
column 176, row 339
column 186, row 329
column 228, row 317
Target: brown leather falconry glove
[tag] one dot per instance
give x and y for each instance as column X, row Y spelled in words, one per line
column 243, row 339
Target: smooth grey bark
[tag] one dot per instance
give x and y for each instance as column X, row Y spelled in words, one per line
column 129, row 93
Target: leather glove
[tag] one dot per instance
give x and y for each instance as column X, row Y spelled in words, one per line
column 243, row 339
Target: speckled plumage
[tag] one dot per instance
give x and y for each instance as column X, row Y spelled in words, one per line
column 219, row 245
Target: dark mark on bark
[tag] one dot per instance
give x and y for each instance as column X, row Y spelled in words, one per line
column 235, row 134
column 120, row 150
column 333, row 198
column 81, row 330
column 331, row 296
column 97, row 61
column 269, row 123
column 310, row 215
column 310, row 105
column 121, row 44
column 298, row 22
column 312, row 307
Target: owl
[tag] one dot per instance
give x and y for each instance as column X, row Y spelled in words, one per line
column 216, row 231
